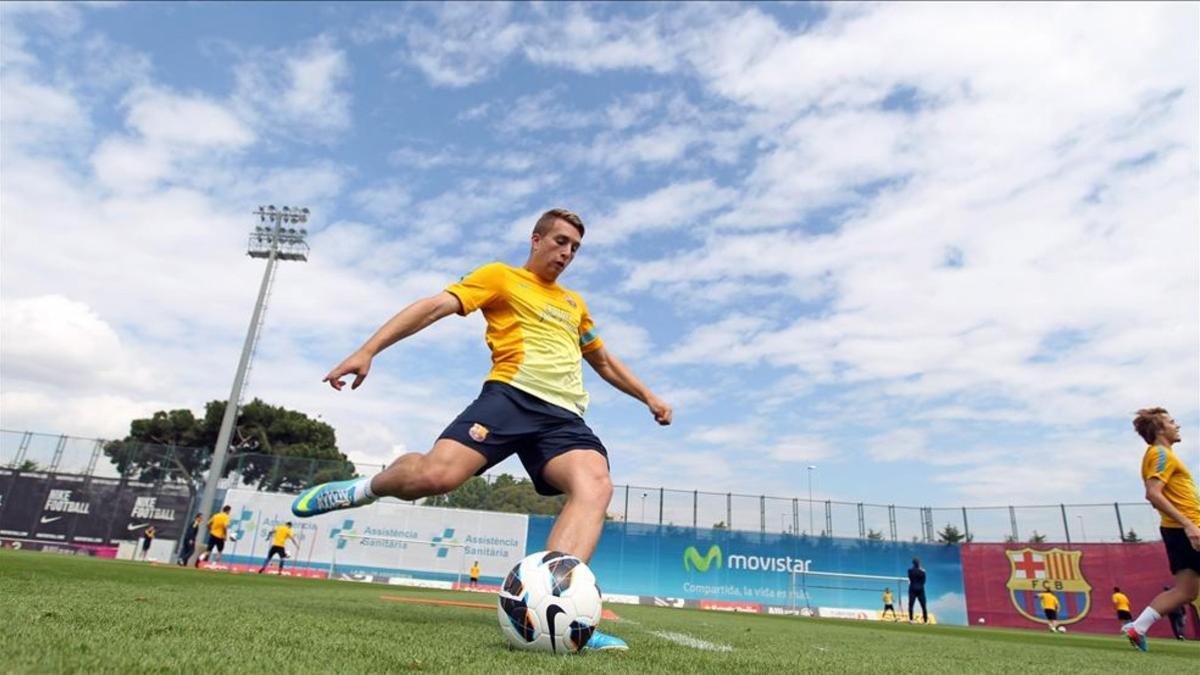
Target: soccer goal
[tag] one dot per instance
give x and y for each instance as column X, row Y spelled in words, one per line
column 422, row 561
column 845, row 595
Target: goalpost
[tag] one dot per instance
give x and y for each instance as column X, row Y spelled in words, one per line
column 398, row 555
column 867, row 596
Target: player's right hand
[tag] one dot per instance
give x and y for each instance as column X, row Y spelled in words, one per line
column 1193, row 535
column 357, row 364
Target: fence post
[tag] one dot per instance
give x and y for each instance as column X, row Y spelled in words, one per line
column 1120, row 526
column 626, row 514
column 660, row 505
column 795, row 516
column 695, row 505
column 966, row 527
column 1066, row 527
column 762, row 514
column 58, row 453
column 828, row 518
column 862, row 522
column 99, row 447
column 729, row 510
column 1012, row 516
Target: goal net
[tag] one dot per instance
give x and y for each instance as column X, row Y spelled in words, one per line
column 398, row 560
column 847, row 596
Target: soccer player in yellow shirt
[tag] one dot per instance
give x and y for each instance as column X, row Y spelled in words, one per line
column 532, row 402
column 887, row 605
column 1049, row 607
column 1171, row 489
column 1121, row 604
column 218, row 530
column 474, row 574
column 279, row 539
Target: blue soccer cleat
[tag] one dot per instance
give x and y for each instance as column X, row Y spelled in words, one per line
column 326, row 497
column 603, row 642
column 1135, row 638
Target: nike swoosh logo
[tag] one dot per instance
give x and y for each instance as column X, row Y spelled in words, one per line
column 135, row 526
column 552, row 613
column 303, row 505
column 50, row 520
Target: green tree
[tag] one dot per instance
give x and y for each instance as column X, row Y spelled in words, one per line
column 1131, row 537
column 1037, row 538
column 505, row 494
column 272, row 447
column 1010, row 539
column 28, row 465
column 951, row 535
column 874, row 535
column 720, row 525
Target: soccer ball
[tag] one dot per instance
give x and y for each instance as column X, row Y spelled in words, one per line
column 1062, row 629
column 982, row 620
column 233, row 536
column 549, row 602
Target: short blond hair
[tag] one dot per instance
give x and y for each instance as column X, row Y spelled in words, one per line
column 546, row 221
column 1149, row 423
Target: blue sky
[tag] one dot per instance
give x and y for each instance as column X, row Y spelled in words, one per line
column 942, row 252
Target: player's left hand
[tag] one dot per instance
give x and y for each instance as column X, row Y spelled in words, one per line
column 660, row 410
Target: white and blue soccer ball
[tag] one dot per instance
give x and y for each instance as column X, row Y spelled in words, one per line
column 550, row 603
column 233, row 536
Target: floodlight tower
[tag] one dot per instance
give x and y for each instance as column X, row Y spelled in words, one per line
column 274, row 238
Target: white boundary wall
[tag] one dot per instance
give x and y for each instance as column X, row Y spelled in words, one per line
column 496, row 540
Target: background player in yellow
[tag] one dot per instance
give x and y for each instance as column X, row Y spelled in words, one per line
column 1049, row 607
column 474, row 573
column 1121, row 605
column 887, row 605
column 279, row 538
column 218, row 530
column 532, row 401
column 1172, row 491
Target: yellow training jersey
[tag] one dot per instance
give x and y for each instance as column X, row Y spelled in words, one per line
column 1049, row 601
column 887, row 597
column 1178, row 486
column 281, row 534
column 1120, row 602
column 219, row 524
column 474, row 571
column 537, row 332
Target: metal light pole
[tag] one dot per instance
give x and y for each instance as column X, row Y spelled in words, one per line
column 274, row 240
column 643, row 519
column 811, row 530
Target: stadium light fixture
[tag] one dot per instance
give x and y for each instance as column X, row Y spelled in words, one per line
column 274, row 242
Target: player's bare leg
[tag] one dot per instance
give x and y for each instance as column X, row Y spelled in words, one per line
column 1186, row 590
column 583, row 477
column 412, row 476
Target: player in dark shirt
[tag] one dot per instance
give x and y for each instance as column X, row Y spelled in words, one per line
column 916, row 590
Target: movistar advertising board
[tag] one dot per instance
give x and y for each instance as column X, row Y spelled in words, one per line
column 730, row 569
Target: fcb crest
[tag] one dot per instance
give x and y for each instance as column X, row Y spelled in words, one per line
column 1056, row 569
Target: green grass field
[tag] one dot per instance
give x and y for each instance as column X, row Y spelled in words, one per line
column 64, row 614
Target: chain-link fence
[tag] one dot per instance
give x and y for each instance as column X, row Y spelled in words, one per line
column 1077, row 523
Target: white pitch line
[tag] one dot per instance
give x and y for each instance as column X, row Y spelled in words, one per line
column 689, row 641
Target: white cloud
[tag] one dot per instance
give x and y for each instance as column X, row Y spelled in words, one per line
column 301, row 90
column 162, row 117
column 676, row 206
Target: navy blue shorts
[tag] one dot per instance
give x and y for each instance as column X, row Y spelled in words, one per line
column 504, row 420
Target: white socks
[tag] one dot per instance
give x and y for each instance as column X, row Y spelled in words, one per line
column 364, row 496
column 1145, row 620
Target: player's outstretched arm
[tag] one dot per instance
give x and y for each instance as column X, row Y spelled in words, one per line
column 616, row 373
column 410, row 320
